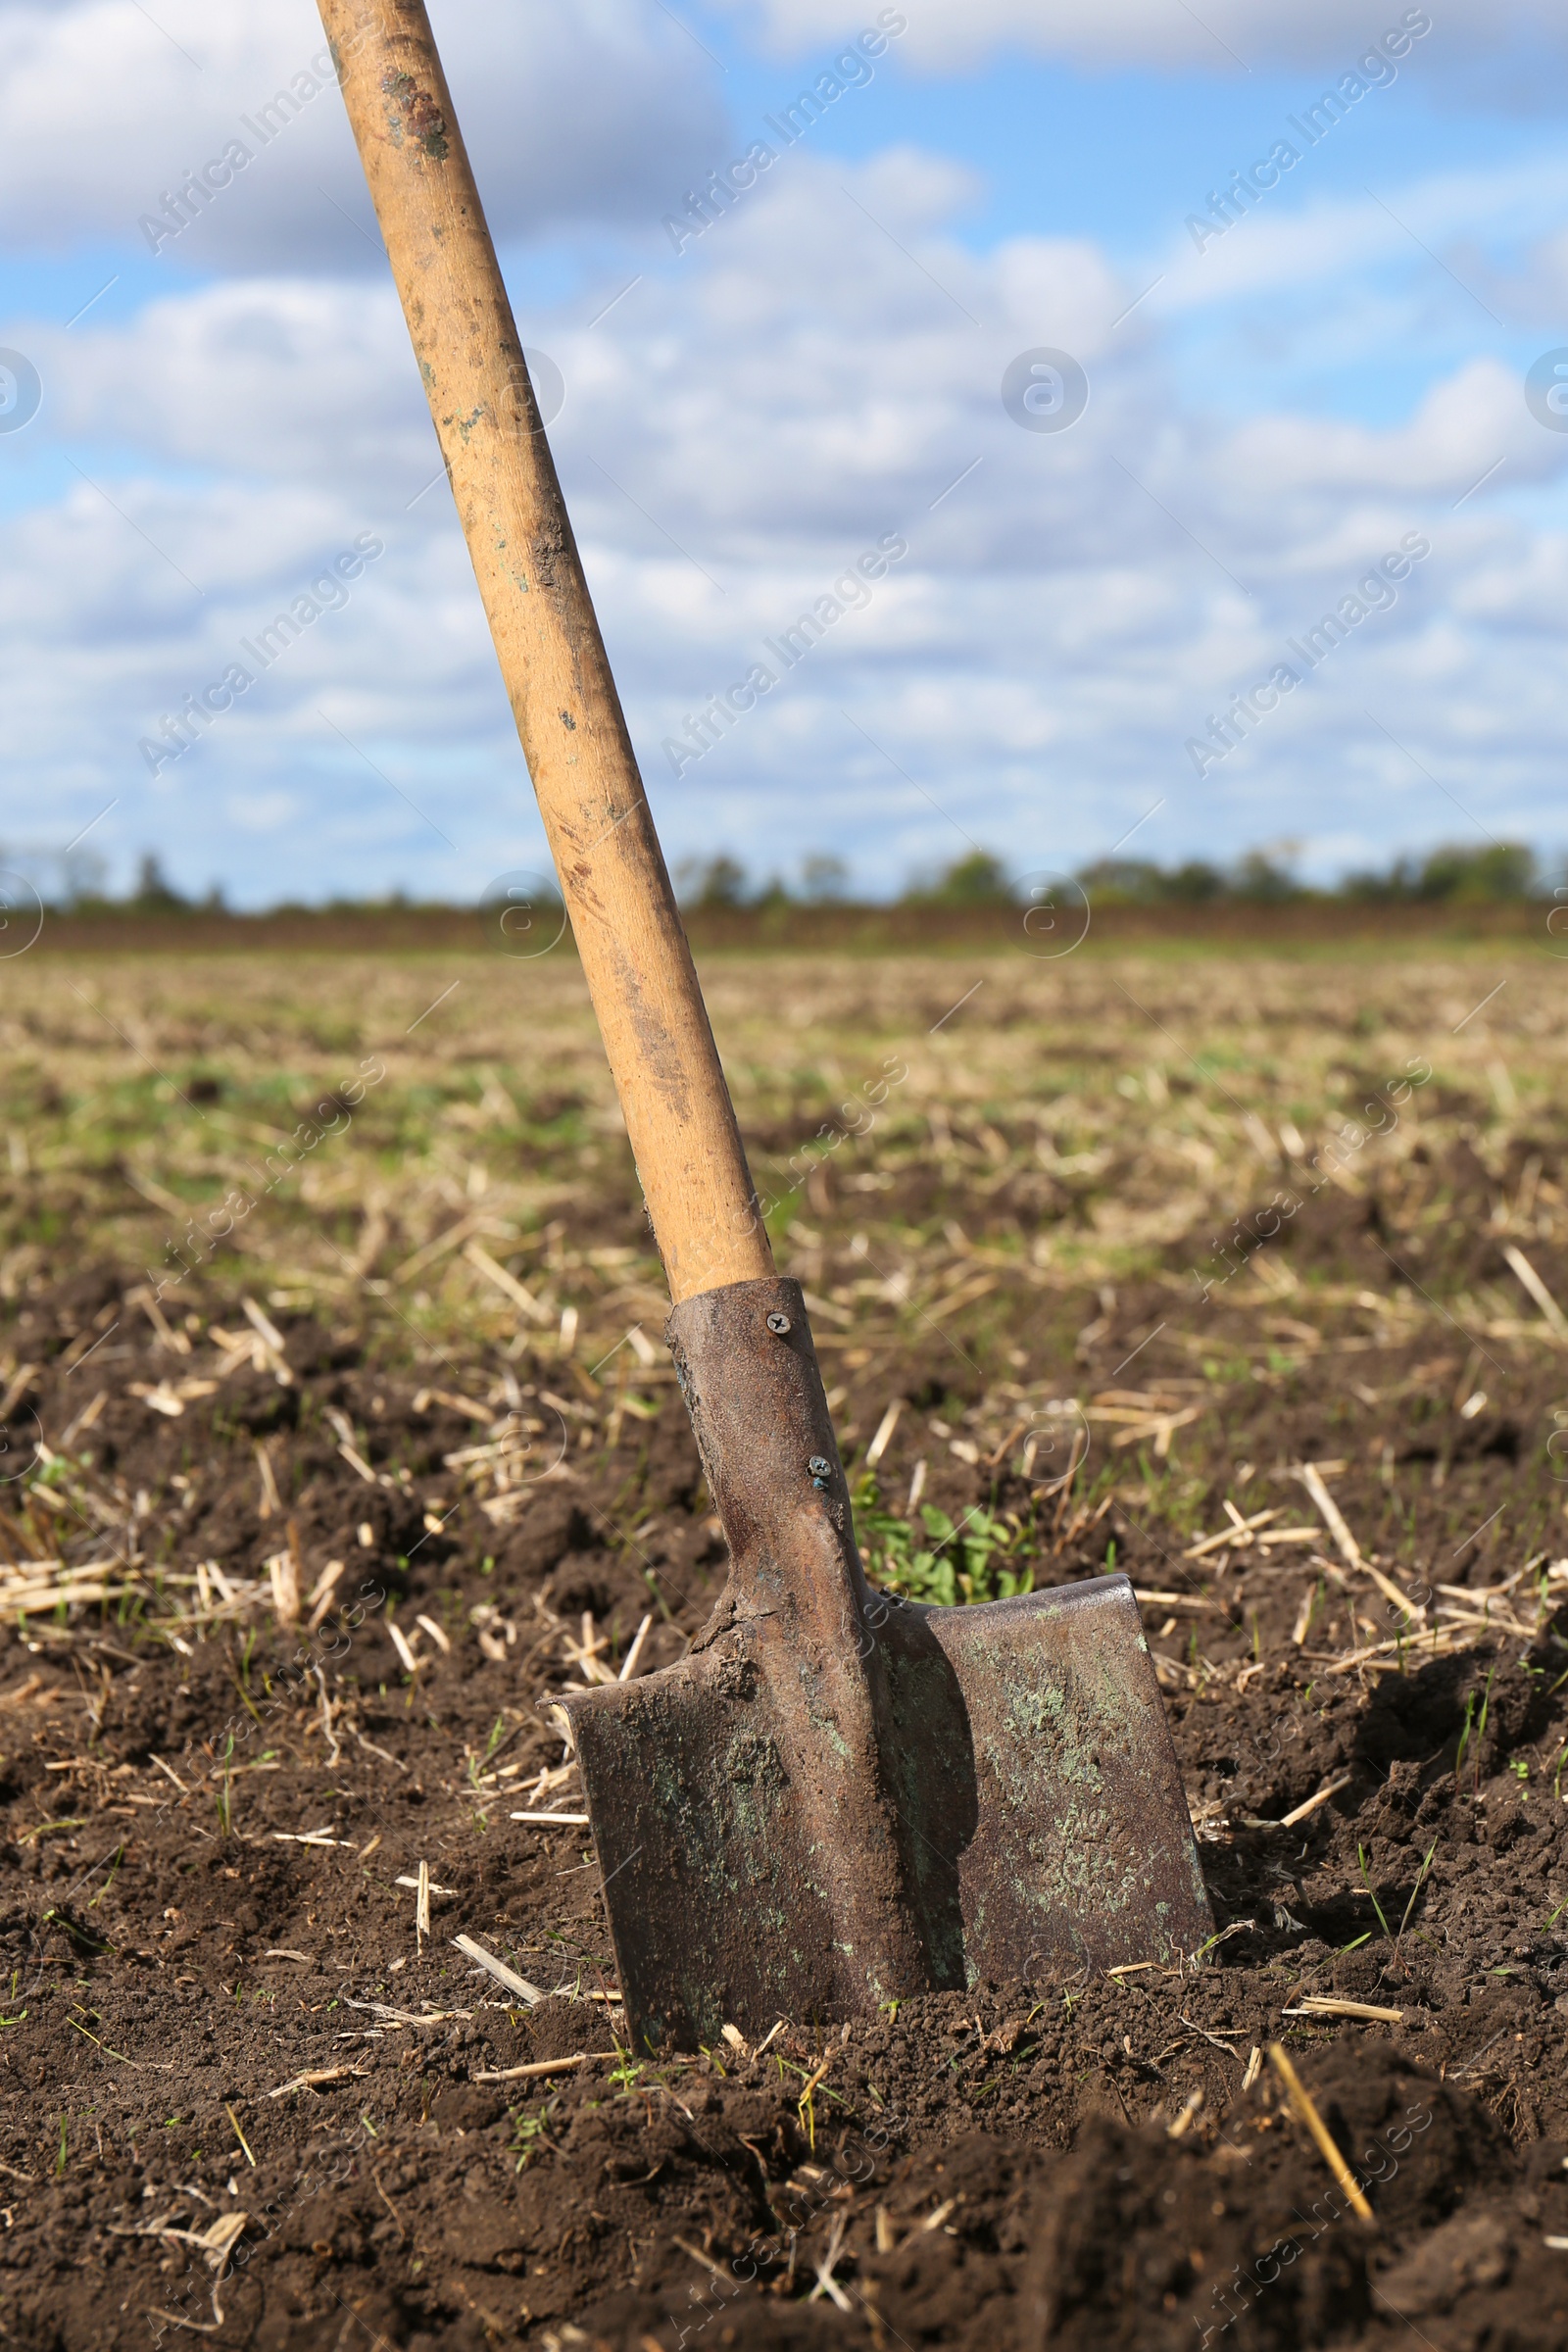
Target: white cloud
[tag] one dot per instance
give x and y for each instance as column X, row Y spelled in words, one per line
column 1536, row 292
column 1280, row 247
column 264, row 811
column 108, row 108
column 286, row 376
column 1466, row 423
column 1224, row 36
column 811, row 378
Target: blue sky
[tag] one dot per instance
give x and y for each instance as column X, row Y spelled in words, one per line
column 1337, row 373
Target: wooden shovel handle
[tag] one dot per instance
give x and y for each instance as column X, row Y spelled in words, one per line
column 634, row 949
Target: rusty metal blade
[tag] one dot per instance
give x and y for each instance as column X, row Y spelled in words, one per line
column 725, row 1905
column 840, row 1797
column 1035, row 1760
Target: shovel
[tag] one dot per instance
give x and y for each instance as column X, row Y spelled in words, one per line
column 838, row 1798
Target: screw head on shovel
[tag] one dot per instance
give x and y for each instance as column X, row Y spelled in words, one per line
column 839, row 1798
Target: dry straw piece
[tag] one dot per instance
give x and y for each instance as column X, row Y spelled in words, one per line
column 316, row 2078
column 538, row 2067
column 1326, row 2004
column 1302, row 2103
column 1287, row 1821
column 1556, row 1319
column 498, row 1969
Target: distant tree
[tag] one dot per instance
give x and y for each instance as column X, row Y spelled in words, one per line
column 1258, row 876
column 1139, row 882
column 1506, row 870
column 1124, row 881
column 1398, row 881
column 84, row 876
column 824, row 878
column 1454, row 870
column 154, row 893
column 978, row 880
column 711, row 881
column 1195, row 883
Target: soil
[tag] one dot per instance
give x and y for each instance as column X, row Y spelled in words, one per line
column 243, row 2094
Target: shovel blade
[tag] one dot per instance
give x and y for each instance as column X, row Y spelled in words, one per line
column 722, row 1899
column 1026, row 1756
column 1035, row 1764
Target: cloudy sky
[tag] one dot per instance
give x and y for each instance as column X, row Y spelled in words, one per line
column 1250, row 408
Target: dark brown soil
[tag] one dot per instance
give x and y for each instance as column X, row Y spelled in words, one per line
column 217, row 2003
